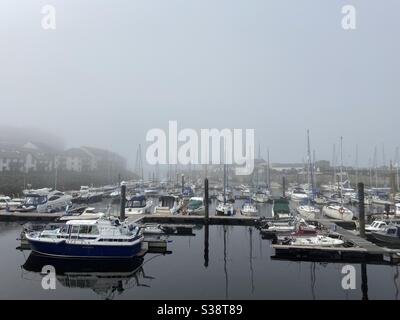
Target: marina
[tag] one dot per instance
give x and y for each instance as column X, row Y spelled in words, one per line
column 282, row 233
column 199, row 150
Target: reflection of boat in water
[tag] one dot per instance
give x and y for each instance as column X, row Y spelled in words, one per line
column 108, row 278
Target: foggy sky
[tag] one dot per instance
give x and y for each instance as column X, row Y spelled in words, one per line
column 112, row 70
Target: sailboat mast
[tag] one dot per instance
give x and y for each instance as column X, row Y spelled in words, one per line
column 376, row 166
column 397, row 168
column 309, row 161
column 268, row 171
column 357, row 164
column 341, row 170
column 334, row 164
column 313, row 178
column 225, row 181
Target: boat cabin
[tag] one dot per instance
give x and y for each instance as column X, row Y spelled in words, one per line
column 136, row 202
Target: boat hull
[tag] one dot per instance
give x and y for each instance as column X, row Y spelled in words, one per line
column 335, row 214
column 69, row 249
column 385, row 239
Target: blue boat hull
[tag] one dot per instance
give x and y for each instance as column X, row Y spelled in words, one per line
column 71, row 250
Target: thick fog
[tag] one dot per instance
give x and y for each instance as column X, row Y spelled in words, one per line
column 112, row 70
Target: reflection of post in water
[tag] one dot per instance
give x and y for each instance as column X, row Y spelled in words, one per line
column 206, row 239
column 251, row 260
column 313, row 279
column 396, row 276
column 364, row 281
column 225, row 268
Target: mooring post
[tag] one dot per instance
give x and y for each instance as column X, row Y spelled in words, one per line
column 206, row 201
column 206, row 221
column 283, row 187
column 361, row 209
column 123, row 199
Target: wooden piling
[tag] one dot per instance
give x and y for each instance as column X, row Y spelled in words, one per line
column 361, row 209
column 123, row 200
column 206, row 201
column 283, row 187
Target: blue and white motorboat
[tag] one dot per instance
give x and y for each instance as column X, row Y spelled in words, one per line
column 98, row 239
column 187, row 192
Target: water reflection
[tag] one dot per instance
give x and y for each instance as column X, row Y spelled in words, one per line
column 251, row 260
column 107, row 278
column 225, row 264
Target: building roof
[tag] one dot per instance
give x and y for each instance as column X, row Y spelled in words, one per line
column 76, row 152
column 101, row 153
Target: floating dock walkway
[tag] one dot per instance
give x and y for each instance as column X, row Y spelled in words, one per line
column 238, row 219
column 361, row 250
column 29, row 216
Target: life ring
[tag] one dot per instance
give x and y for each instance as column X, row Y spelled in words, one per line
column 341, row 210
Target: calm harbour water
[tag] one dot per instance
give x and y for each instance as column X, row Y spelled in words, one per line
column 239, row 266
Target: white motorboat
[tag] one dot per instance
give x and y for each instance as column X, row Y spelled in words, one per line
column 377, row 225
column 286, row 227
column 299, row 194
column 54, row 201
column 225, row 209
column 152, row 229
column 338, row 212
column 41, row 192
column 87, row 214
column 8, row 203
column 260, row 196
column 196, row 206
column 397, row 210
column 379, row 201
column 308, row 212
column 168, row 205
column 137, row 205
column 249, row 209
column 316, row 241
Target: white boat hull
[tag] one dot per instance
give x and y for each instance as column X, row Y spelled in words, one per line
column 334, row 212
